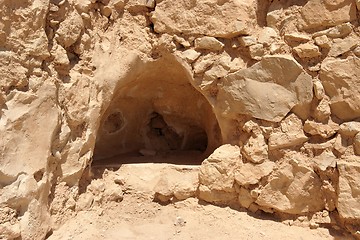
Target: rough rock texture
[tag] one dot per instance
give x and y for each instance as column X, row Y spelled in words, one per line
column 264, row 95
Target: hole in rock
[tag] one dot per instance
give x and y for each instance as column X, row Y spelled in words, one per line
column 157, row 116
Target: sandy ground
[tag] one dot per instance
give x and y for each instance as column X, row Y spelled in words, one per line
column 139, row 217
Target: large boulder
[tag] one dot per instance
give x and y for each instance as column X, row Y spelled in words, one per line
column 327, row 13
column 348, row 203
column 267, row 90
column 340, row 78
column 293, row 188
column 213, row 18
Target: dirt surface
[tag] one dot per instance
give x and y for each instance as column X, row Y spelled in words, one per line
column 140, row 218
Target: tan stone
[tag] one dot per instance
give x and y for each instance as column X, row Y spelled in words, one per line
column 297, row 37
column 294, row 188
column 341, row 46
column 208, row 43
column 319, row 90
column 325, row 130
column 307, row 50
column 10, row 231
column 190, row 55
column 69, row 30
column 323, row 41
column 356, row 144
column 330, row 16
column 252, row 173
column 201, row 18
column 245, row 199
column 267, row 35
column 340, row 80
column 256, row 150
column 290, row 134
column 348, row 203
column 349, row 129
column 322, row 112
column 256, row 51
column 247, row 41
column 217, row 171
column 339, row 31
column 286, row 83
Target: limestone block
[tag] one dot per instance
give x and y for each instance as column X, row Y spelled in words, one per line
column 10, row 231
column 307, row 50
column 202, row 17
column 322, row 112
column 69, row 30
column 267, row 35
column 256, row 51
column 348, row 203
column 245, row 198
column 297, row 37
column 294, row 188
column 217, row 171
column 319, row 90
column 317, row 13
column 251, row 173
column 341, row 82
column 323, row 41
column 208, row 43
column 256, row 150
column 285, row 80
column 290, row 134
column 247, row 41
column 339, row 31
column 325, row 130
column 356, row 144
column 349, row 129
column 341, row 46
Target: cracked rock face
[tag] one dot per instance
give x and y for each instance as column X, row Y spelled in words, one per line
column 263, row 95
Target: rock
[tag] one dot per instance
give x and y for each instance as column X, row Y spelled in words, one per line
column 326, row 130
column 273, row 17
column 83, row 5
column 339, row 31
column 84, row 202
column 200, row 18
column 358, row 4
column 256, row 150
column 287, row 83
column 106, row 11
column 247, row 41
column 181, row 41
column 10, row 231
column 179, row 183
column 349, row 129
column 290, row 134
column 322, row 112
column 256, row 51
column 203, row 63
column 307, row 50
column 35, row 223
column 60, row 55
column 323, row 41
column 340, row 145
column 113, row 193
column 348, row 204
column 319, row 90
column 12, row 74
column 217, row 171
column 325, row 160
column 357, row 51
column 356, row 144
column 340, row 80
column 294, row 188
column 340, row 12
column 297, row 37
column 179, row 222
column 341, row 46
column 250, row 173
column 245, row 199
column 267, row 35
column 208, row 43
column 69, row 30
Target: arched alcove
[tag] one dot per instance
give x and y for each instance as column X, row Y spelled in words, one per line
column 156, row 115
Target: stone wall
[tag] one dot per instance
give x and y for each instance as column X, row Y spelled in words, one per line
column 276, row 82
